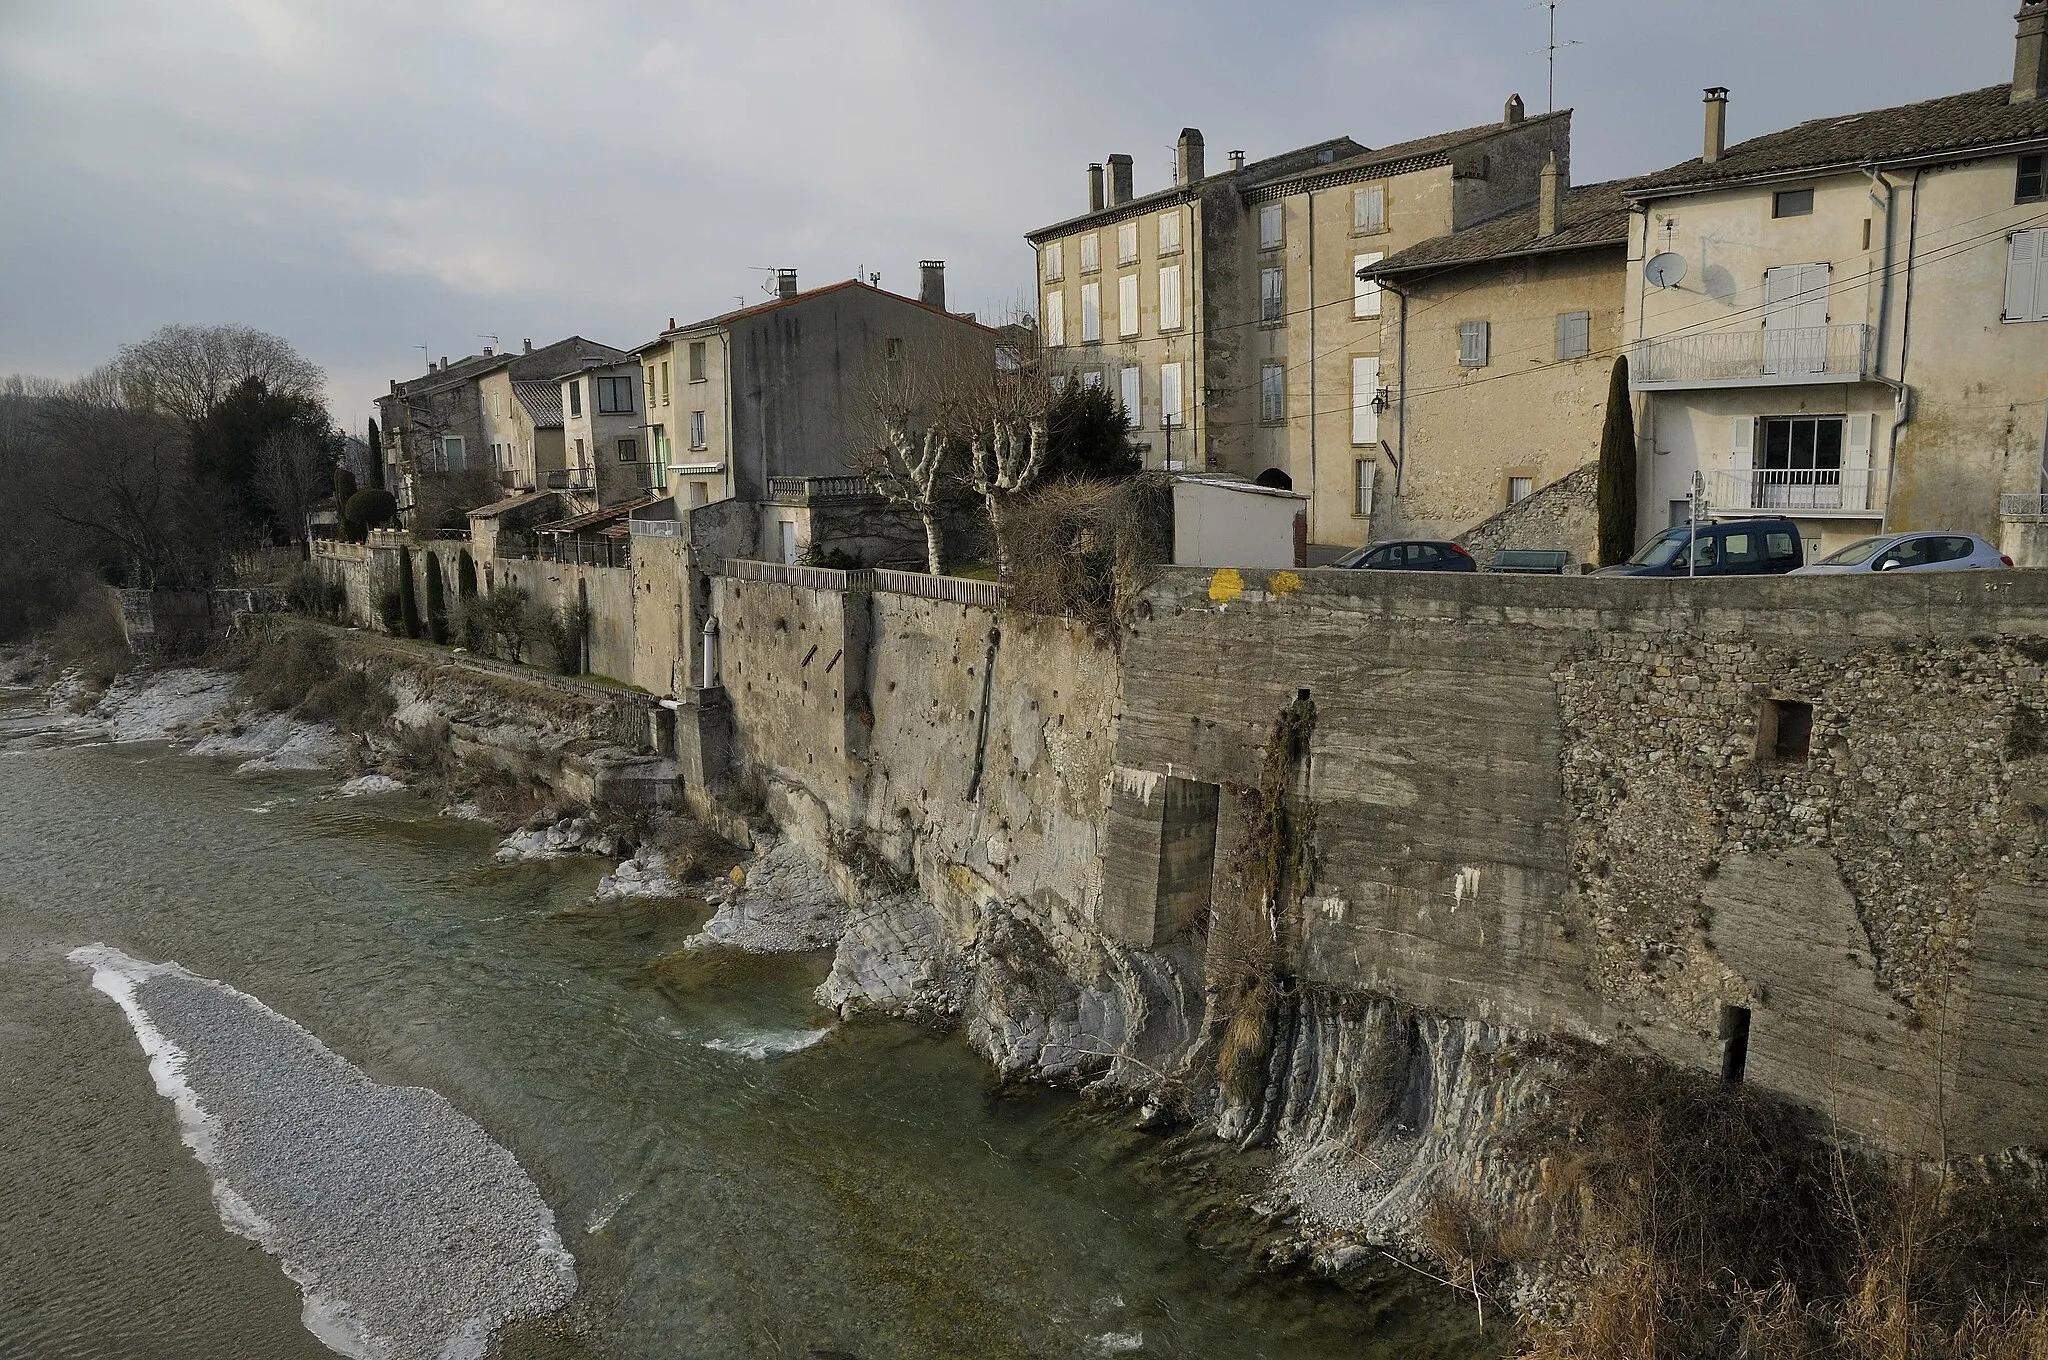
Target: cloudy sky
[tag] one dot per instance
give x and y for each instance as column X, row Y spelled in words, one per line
column 365, row 177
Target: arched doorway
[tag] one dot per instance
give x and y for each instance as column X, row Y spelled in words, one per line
column 1274, row 479
column 465, row 576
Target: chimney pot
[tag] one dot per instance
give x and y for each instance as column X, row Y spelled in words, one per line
column 487, row 351
column 1119, row 180
column 1717, row 123
column 785, row 283
column 1550, row 199
column 528, row 345
column 1513, row 114
column 931, row 285
column 671, row 323
column 1188, row 158
column 444, row 361
column 1095, row 186
column 2030, row 54
column 1236, row 160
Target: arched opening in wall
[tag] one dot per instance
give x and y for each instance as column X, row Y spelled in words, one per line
column 465, row 576
column 583, row 623
column 437, row 600
column 1274, row 479
column 1734, row 1042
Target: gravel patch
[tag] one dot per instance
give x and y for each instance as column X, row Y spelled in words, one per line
column 410, row 1233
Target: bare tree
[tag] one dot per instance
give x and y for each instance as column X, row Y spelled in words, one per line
column 1008, row 434
column 919, row 406
column 293, row 471
column 184, row 371
column 908, row 473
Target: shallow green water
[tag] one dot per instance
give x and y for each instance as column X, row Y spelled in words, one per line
column 868, row 1193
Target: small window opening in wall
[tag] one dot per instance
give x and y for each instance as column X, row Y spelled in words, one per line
column 1301, row 694
column 1734, row 1042
column 1785, row 730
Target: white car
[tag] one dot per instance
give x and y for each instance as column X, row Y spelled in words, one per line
column 1936, row 551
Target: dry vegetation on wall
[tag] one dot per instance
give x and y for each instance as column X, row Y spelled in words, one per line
column 1085, row 549
column 285, row 669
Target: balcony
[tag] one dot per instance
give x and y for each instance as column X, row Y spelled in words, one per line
column 1784, row 357
column 1804, row 493
column 812, row 490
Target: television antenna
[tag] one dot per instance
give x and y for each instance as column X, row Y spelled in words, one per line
column 486, row 335
column 424, row 360
column 1549, row 52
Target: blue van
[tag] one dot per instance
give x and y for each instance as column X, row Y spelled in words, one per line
column 1743, row 547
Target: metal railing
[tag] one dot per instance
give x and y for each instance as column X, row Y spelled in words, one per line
column 562, row 480
column 1761, row 357
column 788, row 574
column 1797, row 491
column 805, row 490
column 2023, row 507
column 958, row 589
column 584, row 552
column 656, row 528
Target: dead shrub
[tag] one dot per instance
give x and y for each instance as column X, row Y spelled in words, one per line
column 1084, row 550
column 89, row 639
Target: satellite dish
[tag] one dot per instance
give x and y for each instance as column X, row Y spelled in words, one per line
column 1666, row 270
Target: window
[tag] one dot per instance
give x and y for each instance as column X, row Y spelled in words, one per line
column 1574, row 334
column 1792, row 203
column 664, row 382
column 1363, row 473
column 1805, row 444
column 650, row 388
column 615, row 396
column 696, row 361
column 2026, row 276
column 1053, row 255
column 1272, row 393
column 629, row 450
column 1272, row 226
column 1055, row 319
column 1092, row 379
column 579, row 453
column 1474, row 340
column 659, row 451
column 1365, row 292
column 1091, row 313
column 575, row 396
column 452, row 459
column 1169, row 231
column 1272, row 295
column 1365, row 399
column 2032, row 184
column 1127, row 317
column 1369, row 208
column 1132, row 390
column 892, row 356
column 1519, row 489
column 1784, row 731
column 1170, row 412
column 1127, row 243
column 696, row 429
column 1091, row 253
column 1169, row 297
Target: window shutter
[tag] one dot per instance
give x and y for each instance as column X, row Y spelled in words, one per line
column 1169, row 395
column 1169, row 298
column 1055, row 319
column 1169, row 231
column 1365, row 386
column 1273, row 392
column 1133, row 394
column 1365, row 293
column 1743, row 442
column 1127, row 243
column 1091, row 313
column 1472, row 343
column 1127, row 305
column 2026, row 296
column 1272, row 296
column 1366, row 472
column 1573, row 340
column 1272, row 225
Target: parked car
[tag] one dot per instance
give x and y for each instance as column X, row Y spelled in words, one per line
column 1746, row 547
column 1938, row 551
column 1418, row 554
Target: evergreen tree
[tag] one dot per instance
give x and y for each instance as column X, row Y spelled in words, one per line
column 408, row 596
column 228, row 442
column 376, row 457
column 1617, row 487
column 1088, row 437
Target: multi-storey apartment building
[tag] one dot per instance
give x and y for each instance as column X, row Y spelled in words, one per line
column 1846, row 322
column 1227, row 311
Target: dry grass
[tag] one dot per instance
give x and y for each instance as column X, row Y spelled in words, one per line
column 296, row 670
column 1085, row 550
column 89, row 639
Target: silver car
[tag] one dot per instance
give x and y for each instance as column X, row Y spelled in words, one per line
column 1936, row 551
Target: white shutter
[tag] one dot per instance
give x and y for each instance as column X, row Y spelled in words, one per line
column 1127, row 305
column 1272, row 225
column 1742, row 443
column 1053, row 254
column 1365, row 293
column 2026, row 276
column 1365, row 385
column 1091, row 313
column 1134, row 394
column 1856, row 453
column 1169, row 298
column 1169, row 395
column 1169, row 231
column 1127, row 243
column 1055, row 319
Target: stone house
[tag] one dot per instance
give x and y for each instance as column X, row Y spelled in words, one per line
column 604, row 436
column 1227, row 311
column 1846, row 322
column 522, row 428
column 1500, row 342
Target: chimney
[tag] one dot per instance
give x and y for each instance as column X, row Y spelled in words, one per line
column 671, row 323
column 1119, row 180
column 931, row 283
column 1717, row 123
column 2030, row 57
column 1512, row 115
column 1188, row 162
column 1550, row 198
column 528, row 344
column 444, row 361
column 487, row 351
column 433, row 367
column 1236, row 161
column 394, row 387
column 785, row 283
column 1095, row 186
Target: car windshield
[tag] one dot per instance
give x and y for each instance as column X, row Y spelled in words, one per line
column 1862, row 550
column 1352, row 558
column 1659, row 552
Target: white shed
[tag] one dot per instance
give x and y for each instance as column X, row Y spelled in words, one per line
column 1224, row 522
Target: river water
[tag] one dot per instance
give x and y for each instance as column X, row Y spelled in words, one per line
column 727, row 1186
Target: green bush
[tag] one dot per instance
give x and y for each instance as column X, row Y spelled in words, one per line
column 563, row 630
column 371, row 506
column 508, row 619
column 469, row 624
column 408, row 601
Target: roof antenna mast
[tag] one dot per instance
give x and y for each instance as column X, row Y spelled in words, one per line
column 1549, row 50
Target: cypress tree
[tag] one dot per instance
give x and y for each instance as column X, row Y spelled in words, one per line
column 437, row 601
column 408, row 596
column 376, row 457
column 1617, row 487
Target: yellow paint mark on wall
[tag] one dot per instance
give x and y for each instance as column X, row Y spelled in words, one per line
column 1226, row 584
column 1283, row 583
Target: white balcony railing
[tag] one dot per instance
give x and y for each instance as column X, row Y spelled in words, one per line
column 1796, row 491
column 2023, row 507
column 1753, row 358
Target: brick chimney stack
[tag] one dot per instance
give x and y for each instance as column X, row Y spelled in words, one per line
column 1717, row 124
column 931, row 287
column 2030, row 55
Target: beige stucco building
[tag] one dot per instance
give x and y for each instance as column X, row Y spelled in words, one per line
column 1226, row 309
column 1846, row 322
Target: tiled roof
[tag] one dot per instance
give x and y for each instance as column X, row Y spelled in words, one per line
column 1932, row 128
column 1314, row 156
column 597, row 519
column 776, row 304
column 1402, row 157
column 1595, row 215
column 542, row 400
column 526, row 365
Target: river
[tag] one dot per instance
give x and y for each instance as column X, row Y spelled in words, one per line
column 726, row 1186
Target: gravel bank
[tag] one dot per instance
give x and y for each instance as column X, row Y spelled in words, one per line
column 411, row 1234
